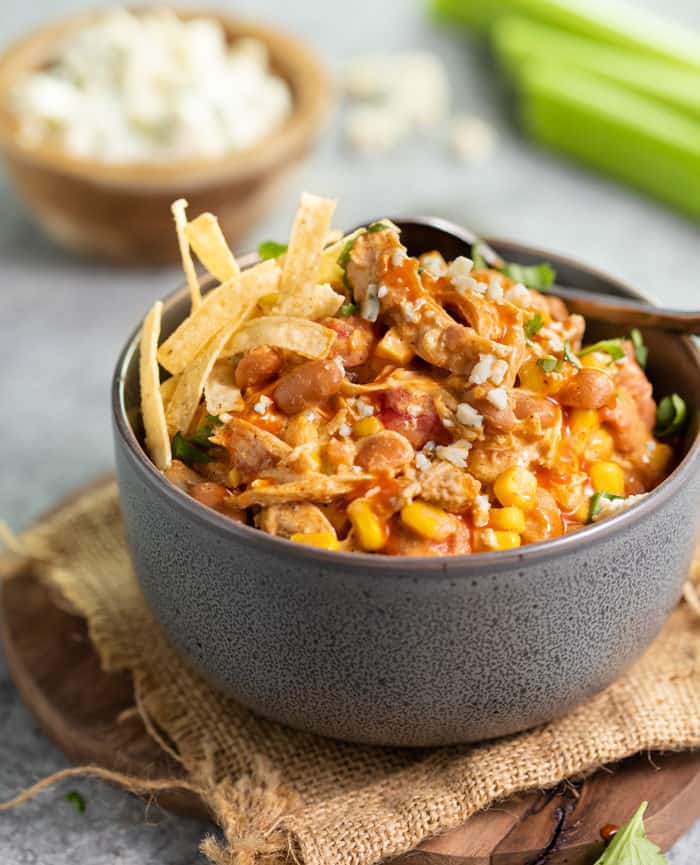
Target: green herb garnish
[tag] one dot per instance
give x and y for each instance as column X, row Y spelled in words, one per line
column 477, row 257
column 631, row 846
column 204, row 430
column 271, row 249
column 569, row 354
column 77, row 800
column 671, row 414
column 550, row 364
column 597, row 503
column 641, row 352
column 538, row 276
column 376, row 226
column 613, row 347
column 187, row 452
column 533, row 325
column 347, row 309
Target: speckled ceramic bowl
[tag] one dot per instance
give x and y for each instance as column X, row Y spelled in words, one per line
column 411, row 651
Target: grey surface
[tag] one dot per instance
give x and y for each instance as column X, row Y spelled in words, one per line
column 62, row 321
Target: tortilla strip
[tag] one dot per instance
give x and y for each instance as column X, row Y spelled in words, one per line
column 152, row 411
column 209, row 244
column 311, row 488
column 179, row 211
column 311, row 226
column 184, row 402
column 313, row 302
column 227, row 304
column 304, row 337
column 221, row 394
column 167, row 389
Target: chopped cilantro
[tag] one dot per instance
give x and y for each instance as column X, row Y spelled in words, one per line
column 597, row 503
column 631, row 845
column 533, row 325
column 77, row 800
column 201, row 435
column 549, row 364
column 671, row 414
column 347, row 309
column 376, row 226
column 477, row 257
column 641, row 352
column 187, row 452
column 271, row 249
column 613, row 347
column 538, row 276
column 569, row 355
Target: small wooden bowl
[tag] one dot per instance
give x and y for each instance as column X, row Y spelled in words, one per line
column 122, row 211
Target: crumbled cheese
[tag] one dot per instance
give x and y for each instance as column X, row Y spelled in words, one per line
column 482, row 370
column 460, row 267
column 610, row 507
column 409, row 312
column 498, row 373
column 467, row 415
column 495, row 289
column 311, row 416
column 414, row 410
column 373, row 130
column 519, row 295
column 364, row 408
column 456, row 453
column 382, row 291
column 344, row 430
column 480, row 512
column 471, row 138
column 434, row 264
column 147, row 86
column 338, row 361
column 356, row 469
column 555, row 345
column 429, row 446
column 422, row 461
column 397, row 257
column 447, row 423
column 498, row 398
column 262, row 405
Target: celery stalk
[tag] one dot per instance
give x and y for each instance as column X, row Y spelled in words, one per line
column 519, row 41
column 621, row 133
column 613, row 23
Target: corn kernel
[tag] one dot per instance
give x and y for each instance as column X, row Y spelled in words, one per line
column 491, row 539
column 599, row 445
column 533, row 377
column 427, row 520
column 608, row 477
column 370, row 531
column 322, row 540
column 582, row 512
column 516, row 487
column 509, row 519
column 596, row 360
column 583, row 420
column 234, row 477
column 392, row 347
column 367, row 426
column 660, row 458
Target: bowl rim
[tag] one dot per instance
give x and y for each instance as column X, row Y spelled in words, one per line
column 468, row 564
column 307, row 77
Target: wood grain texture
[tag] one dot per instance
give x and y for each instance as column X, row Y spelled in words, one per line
column 90, row 715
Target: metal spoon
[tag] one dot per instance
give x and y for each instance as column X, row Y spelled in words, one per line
column 421, row 234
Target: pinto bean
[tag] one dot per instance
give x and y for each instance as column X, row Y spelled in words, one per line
column 257, row 366
column 216, row 496
column 308, row 384
column 384, row 450
column 589, row 388
column 496, row 420
column 354, row 341
column 533, row 405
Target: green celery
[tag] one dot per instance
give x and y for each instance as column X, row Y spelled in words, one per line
column 631, row 138
column 617, row 23
column 519, row 41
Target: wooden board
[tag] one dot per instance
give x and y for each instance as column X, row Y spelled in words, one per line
column 89, row 714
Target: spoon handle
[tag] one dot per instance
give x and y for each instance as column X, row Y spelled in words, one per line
column 628, row 312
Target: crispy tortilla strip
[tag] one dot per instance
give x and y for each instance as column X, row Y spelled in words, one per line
column 184, row 402
column 228, row 304
column 311, row 226
column 221, row 394
column 310, row 488
column 313, row 302
column 209, row 244
column 167, row 389
column 299, row 335
column 179, row 211
column 152, row 411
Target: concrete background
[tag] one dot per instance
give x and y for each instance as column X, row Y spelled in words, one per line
column 64, row 319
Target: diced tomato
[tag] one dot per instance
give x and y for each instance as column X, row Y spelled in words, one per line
column 413, row 415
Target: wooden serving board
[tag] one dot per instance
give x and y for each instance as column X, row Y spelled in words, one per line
column 89, row 715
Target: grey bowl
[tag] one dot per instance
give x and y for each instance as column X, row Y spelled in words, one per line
column 411, row 651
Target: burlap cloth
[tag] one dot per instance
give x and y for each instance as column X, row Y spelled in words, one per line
column 279, row 794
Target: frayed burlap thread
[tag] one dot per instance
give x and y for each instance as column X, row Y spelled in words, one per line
column 282, row 796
